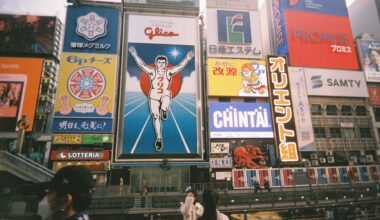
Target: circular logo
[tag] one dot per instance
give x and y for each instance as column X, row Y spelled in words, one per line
column 175, row 84
column 86, row 83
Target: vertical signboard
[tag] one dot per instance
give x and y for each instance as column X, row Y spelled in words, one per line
column 87, row 80
column 252, row 177
column 239, row 179
column 322, row 38
column 369, row 53
column 282, row 105
column 159, row 115
column 85, row 95
column 374, row 95
column 245, row 78
column 19, row 86
column 305, row 133
column 91, row 30
column 240, row 120
column 233, row 33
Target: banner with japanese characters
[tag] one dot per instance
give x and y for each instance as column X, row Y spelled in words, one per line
column 91, row 29
column 283, row 114
column 85, row 94
column 233, row 33
column 302, row 114
column 160, row 114
column 244, row 78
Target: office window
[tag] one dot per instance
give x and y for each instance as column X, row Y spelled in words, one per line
column 361, row 111
column 319, row 132
column 376, row 112
column 224, row 99
column 365, row 132
column 348, row 132
column 335, row 133
column 331, row 110
column 316, row 109
column 346, row 110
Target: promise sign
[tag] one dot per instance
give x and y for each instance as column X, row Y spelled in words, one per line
column 283, row 116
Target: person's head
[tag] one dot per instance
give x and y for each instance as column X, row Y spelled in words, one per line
column 209, row 201
column 69, row 192
column 161, row 62
column 191, row 193
column 375, row 56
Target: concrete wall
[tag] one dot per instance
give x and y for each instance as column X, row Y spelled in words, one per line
column 364, row 18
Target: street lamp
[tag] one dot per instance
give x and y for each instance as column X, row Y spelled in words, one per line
column 22, row 125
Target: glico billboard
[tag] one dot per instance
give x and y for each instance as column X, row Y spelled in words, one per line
column 159, row 113
column 322, row 38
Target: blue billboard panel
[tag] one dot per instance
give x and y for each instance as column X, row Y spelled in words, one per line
column 160, row 116
column 82, row 125
column 91, row 30
column 240, row 120
column 330, row 7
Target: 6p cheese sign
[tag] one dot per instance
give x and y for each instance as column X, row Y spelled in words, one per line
column 283, row 115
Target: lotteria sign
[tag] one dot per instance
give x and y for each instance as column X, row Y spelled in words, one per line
column 240, row 120
column 325, row 82
column 79, row 155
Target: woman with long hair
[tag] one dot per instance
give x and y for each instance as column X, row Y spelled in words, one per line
column 210, row 200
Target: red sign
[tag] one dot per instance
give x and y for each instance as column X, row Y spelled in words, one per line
column 150, row 32
column 80, row 155
column 374, row 95
column 320, row 40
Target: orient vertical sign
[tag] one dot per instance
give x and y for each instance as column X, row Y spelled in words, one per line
column 282, row 105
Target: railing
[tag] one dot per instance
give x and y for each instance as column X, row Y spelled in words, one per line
column 230, row 201
column 24, row 167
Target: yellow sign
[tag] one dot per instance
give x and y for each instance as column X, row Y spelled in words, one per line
column 232, row 77
column 67, row 139
column 86, row 86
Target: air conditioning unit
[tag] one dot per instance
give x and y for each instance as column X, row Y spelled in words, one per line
column 362, row 159
column 378, row 152
column 362, row 152
column 329, row 153
column 314, row 162
column 369, row 158
column 330, row 159
column 314, row 156
column 354, row 159
column 322, row 160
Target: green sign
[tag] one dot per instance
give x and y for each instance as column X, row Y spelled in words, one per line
column 96, row 139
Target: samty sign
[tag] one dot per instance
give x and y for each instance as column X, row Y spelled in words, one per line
column 283, row 115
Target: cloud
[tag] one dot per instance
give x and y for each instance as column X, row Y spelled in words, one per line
column 189, row 83
column 132, row 84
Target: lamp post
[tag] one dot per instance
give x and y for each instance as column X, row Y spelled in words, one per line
column 22, row 125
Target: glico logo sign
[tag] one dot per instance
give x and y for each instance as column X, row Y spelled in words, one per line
column 91, row 26
column 234, row 27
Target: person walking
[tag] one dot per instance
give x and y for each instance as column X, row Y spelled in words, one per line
column 191, row 209
column 266, row 185
column 69, row 194
column 210, row 200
